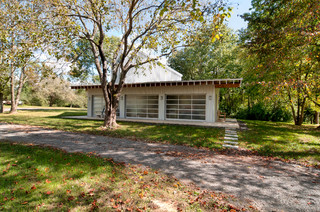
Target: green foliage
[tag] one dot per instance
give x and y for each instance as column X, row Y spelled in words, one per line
column 53, row 118
column 283, row 140
column 207, row 59
column 56, row 91
column 284, row 38
column 83, row 62
column 160, row 26
column 24, row 34
column 264, row 112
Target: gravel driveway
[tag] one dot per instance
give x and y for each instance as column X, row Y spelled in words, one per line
column 271, row 185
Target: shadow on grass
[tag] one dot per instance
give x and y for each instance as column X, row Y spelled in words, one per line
column 283, row 140
column 33, row 176
column 52, row 110
column 174, row 134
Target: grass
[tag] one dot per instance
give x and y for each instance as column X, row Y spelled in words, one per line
column 277, row 139
column 52, row 118
column 42, row 179
column 283, row 140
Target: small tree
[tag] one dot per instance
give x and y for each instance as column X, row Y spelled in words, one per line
column 22, row 34
column 160, row 25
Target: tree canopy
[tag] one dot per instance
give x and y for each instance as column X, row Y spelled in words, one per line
column 22, row 35
column 160, row 25
column 285, row 38
column 208, row 59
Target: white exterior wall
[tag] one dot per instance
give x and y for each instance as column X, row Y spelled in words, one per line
column 208, row 90
column 217, row 97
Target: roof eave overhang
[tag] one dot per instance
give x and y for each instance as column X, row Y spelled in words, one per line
column 218, row 83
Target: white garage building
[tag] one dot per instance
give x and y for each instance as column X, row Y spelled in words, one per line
column 160, row 94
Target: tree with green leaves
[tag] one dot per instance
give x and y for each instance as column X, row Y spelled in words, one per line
column 285, row 38
column 22, row 35
column 160, row 25
column 54, row 90
column 82, row 59
column 211, row 58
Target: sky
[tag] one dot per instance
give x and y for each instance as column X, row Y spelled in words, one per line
column 239, row 7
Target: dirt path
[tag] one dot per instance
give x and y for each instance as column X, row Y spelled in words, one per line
column 271, row 185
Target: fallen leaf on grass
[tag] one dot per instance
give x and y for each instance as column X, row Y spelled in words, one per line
column 24, row 203
column 83, row 194
column 49, row 192
column 48, row 181
column 70, row 198
column 33, row 187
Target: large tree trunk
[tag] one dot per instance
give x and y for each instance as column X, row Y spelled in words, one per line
column 111, row 101
column 1, row 102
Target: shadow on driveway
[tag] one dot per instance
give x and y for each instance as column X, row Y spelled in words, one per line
column 271, row 185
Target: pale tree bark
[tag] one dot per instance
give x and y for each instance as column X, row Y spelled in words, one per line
column 13, row 108
column 15, row 96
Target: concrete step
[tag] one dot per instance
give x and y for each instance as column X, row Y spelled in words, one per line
column 231, row 142
column 229, row 132
column 231, row 135
column 230, row 146
column 230, row 138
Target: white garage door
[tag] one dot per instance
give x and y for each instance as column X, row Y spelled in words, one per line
column 98, row 105
column 186, row 107
column 142, row 106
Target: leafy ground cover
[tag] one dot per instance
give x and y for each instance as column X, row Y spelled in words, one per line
column 283, row 140
column 42, row 179
column 52, row 118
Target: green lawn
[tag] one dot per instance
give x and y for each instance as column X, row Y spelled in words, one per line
column 35, row 178
column 283, row 140
column 186, row 135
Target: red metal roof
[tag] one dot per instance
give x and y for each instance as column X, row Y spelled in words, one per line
column 218, row 83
